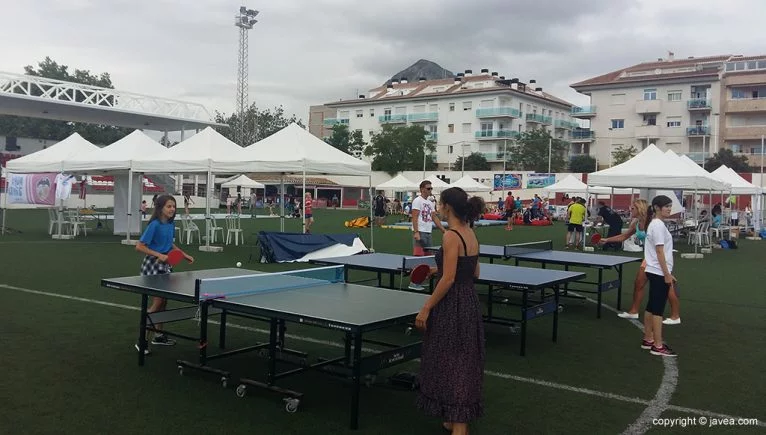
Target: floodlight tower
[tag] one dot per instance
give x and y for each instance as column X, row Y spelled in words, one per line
column 245, row 21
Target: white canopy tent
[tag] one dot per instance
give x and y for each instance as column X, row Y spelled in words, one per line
column 295, row 150
column 400, row 183
column 119, row 157
column 243, row 181
column 50, row 159
column 437, row 183
column 468, row 184
column 740, row 186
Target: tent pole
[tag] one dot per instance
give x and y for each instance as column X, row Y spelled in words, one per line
column 208, row 230
column 5, row 204
column 130, row 206
column 372, row 218
column 303, row 209
column 281, row 202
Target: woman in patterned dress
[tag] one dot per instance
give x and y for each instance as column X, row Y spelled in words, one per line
column 452, row 356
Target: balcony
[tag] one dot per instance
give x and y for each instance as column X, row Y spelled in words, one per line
column 432, row 137
column 647, row 131
column 648, row 106
column 698, row 130
column 566, row 125
column 498, row 112
column 333, row 121
column 745, row 132
column 741, row 105
column 539, row 119
column 583, row 112
column 495, row 157
column 698, row 157
column 583, row 136
column 423, row 117
column 699, row 104
column 392, row 119
column 496, row 134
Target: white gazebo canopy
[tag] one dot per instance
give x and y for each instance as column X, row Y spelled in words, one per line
column 400, row 183
column 739, row 186
column 243, row 181
column 206, row 151
column 570, row 184
column 51, row 159
column 118, row 156
column 437, row 183
column 468, row 184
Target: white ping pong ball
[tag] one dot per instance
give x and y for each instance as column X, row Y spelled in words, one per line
column 239, row 264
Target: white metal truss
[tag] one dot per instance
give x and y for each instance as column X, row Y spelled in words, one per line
column 88, row 96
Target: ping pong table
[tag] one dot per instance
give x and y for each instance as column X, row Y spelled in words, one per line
column 317, row 297
column 500, row 279
column 543, row 253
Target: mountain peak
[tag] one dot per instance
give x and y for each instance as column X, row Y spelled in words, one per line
column 423, row 68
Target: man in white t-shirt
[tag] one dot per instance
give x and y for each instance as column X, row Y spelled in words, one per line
column 424, row 217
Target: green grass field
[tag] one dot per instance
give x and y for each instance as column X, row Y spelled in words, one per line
column 69, row 365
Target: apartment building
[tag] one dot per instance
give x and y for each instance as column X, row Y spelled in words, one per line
column 693, row 106
column 743, row 105
column 470, row 113
column 317, row 116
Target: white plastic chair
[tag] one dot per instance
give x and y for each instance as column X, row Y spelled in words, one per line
column 189, row 228
column 214, row 228
column 701, row 236
column 233, row 227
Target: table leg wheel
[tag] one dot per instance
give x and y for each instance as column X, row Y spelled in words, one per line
column 408, row 331
column 291, row 404
column 241, row 390
column 224, row 381
column 561, row 308
column 181, row 370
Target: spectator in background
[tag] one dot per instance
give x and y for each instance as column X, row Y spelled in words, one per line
column 379, row 208
column 575, row 216
column 509, row 208
column 611, row 218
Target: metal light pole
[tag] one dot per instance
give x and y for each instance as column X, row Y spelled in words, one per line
column 762, row 137
column 550, row 148
column 245, row 21
column 505, row 156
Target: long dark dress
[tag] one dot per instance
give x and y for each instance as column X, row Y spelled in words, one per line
column 452, row 356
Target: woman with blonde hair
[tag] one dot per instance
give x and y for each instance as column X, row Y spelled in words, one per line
column 640, row 218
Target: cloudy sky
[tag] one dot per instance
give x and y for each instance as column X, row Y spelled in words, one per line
column 305, row 52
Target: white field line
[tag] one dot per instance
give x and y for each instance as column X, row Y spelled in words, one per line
column 543, row 383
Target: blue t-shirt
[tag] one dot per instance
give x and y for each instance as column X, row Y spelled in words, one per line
column 158, row 236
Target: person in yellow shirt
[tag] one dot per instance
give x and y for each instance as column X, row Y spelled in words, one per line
column 576, row 217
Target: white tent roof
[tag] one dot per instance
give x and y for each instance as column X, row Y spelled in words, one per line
column 400, row 183
column 652, row 169
column 207, row 150
column 685, row 160
column 570, row 184
column 52, row 158
column 437, row 183
column 293, row 149
column 243, row 181
column 117, row 156
column 468, row 184
column 739, row 186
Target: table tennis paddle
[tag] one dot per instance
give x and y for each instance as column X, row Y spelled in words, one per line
column 418, row 250
column 420, row 273
column 595, row 239
column 174, row 257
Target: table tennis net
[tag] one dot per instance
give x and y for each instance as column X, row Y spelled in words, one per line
column 410, row 263
column 526, row 248
column 228, row 287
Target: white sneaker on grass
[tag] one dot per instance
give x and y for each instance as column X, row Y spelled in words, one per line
column 627, row 315
column 670, row 321
column 146, row 351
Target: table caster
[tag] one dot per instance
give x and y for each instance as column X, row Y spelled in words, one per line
column 561, row 308
column 291, row 404
column 408, row 331
column 241, row 390
column 181, row 370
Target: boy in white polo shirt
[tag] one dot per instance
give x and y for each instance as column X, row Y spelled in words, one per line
column 424, row 217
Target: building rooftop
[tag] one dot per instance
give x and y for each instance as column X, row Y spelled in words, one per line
column 662, row 69
column 463, row 84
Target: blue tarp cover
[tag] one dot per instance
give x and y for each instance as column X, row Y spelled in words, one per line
column 280, row 247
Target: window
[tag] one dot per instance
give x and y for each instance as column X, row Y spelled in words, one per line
column 650, row 119
column 433, row 108
column 466, row 127
column 387, row 112
column 420, row 108
column 674, row 121
column 674, row 95
column 344, row 114
column 618, row 99
column 467, row 105
column 486, row 104
column 372, row 113
column 737, row 94
column 618, row 123
column 486, row 126
column 751, row 64
column 650, row 94
column 451, row 107
column 432, row 128
column 450, row 128
column 11, row 144
column 451, row 149
column 360, row 113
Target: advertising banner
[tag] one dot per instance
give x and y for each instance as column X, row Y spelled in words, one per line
column 539, row 181
column 37, row 189
column 511, row 181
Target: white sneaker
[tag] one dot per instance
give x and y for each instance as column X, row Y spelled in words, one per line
column 416, row 287
column 627, row 315
column 146, row 351
column 670, row 321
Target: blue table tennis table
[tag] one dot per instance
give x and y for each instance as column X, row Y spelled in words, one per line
column 543, row 254
column 317, row 297
column 499, row 279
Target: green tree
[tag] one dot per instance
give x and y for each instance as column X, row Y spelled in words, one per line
column 725, row 156
column 474, row 162
column 582, row 163
column 19, row 126
column 347, row 141
column 259, row 124
column 530, row 152
column 397, row 149
column 622, row 155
